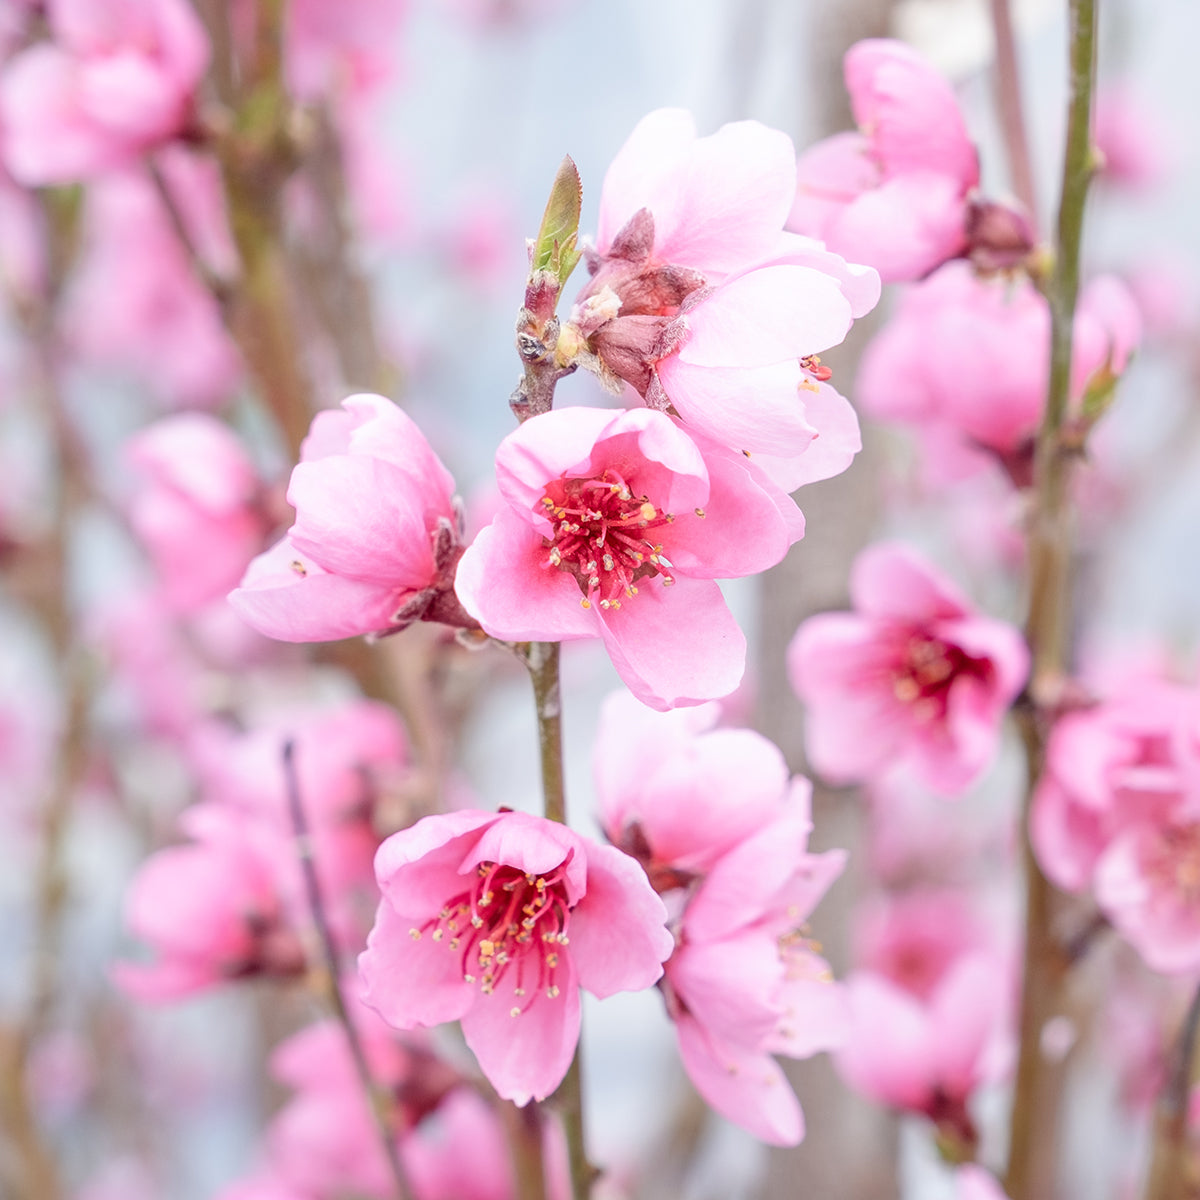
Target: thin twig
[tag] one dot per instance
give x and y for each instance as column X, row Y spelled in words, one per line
column 1037, row 1094
column 1012, row 117
column 1167, row 1176
column 376, row 1099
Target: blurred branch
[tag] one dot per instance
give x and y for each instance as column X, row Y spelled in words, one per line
column 1012, row 117
column 1038, row 1091
column 1167, row 1178
column 377, row 1100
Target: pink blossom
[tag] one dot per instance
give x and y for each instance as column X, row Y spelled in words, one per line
column 617, row 526
column 930, row 1055
column 375, row 538
column 118, row 79
column 447, row 945
column 974, row 1183
column 745, row 983
column 677, row 794
column 1118, row 809
column 196, row 507
column 211, row 910
column 136, row 304
column 327, row 46
column 915, row 669
column 700, row 301
column 950, row 357
column 894, row 195
column 722, row 834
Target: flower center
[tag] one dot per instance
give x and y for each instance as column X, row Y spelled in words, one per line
column 507, row 921
column 1172, row 861
column 927, row 669
column 601, row 536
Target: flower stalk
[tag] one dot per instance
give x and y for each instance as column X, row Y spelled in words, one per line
column 1037, row 1094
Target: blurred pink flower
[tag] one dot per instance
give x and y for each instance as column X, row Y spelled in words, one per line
column 1133, row 142
column 376, row 534
column 949, row 357
column 895, row 194
column 136, row 304
column 617, row 527
column 974, row 1183
column 700, row 300
column 195, row 507
column 117, row 79
column 498, row 920
column 211, row 910
column 929, row 1054
column 914, row 674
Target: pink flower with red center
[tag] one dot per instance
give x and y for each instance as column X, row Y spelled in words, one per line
column 617, row 525
column 915, row 676
column 497, row 920
column 117, row 79
column 896, row 194
column 376, row 535
column 700, row 301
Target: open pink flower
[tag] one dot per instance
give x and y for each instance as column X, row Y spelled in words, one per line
column 196, row 509
column 700, row 301
column 376, row 532
column 118, row 79
column 914, row 675
column 617, row 526
column 497, row 920
column 894, row 195
column 745, row 983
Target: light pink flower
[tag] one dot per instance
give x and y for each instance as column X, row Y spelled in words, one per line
column 196, row 507
column 930, row 1055
column 700, row 301
column 211, row 909
column 136, row 304
column 677, row 794
column 617, row 526
column 1133, row 142
column 895, row 194
column 118, row 79
column 950, row 357
column 376, row 534
column 974, row 1183
column 327, row 46
column 745, row 983
column 913, row 675
column 498, row 920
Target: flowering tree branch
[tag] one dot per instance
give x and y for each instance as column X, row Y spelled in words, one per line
column 1012, row 118
column 376, row 1100
column 1038, row 1082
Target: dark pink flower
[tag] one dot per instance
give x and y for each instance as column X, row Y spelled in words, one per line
column 894, row 195
column 117, row 79
column 617, row 527
column 196, row 507
column 498, row 920
column 913, row 675
column 376, row 532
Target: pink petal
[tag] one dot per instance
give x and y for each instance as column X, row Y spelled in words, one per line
column 526, row 1056
column 506, row 582
column 743, row 1085
column 361, row 517
column 890, row 579
column 676, row 645
column 729, row 985
column 829, row 176
column 767, row 315
column 619, row 938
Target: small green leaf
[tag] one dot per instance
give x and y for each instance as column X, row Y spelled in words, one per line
column 560, row 223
